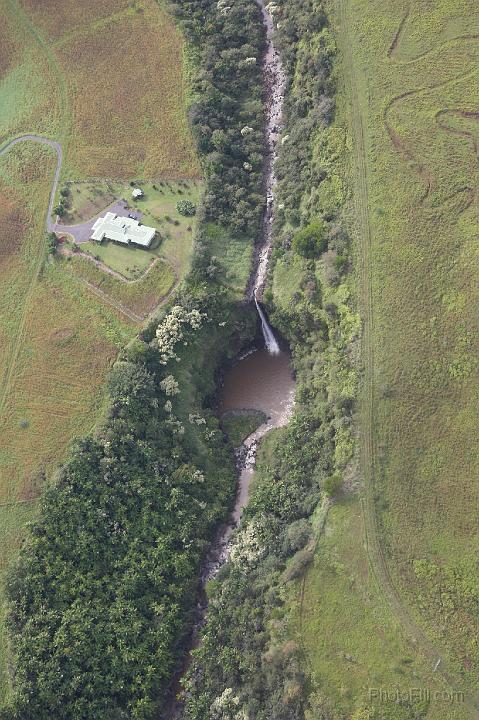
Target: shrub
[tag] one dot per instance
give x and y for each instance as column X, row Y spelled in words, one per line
column 311, row 241
column 333, row 484
column 60, row 210
column 52, row 243
column 186, row 207
column 340, row 263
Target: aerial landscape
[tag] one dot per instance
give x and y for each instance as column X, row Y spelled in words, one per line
column 239, row 360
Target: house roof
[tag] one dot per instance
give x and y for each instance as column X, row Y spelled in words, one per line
column 122, row 229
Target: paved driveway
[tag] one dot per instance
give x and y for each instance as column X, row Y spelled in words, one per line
column 82, row 231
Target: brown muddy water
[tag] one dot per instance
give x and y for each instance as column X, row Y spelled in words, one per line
column 260, row 381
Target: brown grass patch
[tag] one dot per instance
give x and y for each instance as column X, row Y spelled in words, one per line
column 55, row 18
column 8, row 47
column 129, row 113
column 12, row 221
column 56, row 390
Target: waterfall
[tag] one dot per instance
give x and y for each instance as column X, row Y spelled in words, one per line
column 269, row 338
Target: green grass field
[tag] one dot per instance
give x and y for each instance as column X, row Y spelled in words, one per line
column 410, row 74
column 416, row 78
column 31, row 86
column 354, row 646
column 395, row 582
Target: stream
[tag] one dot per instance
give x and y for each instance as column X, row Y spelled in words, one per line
column 262, row 379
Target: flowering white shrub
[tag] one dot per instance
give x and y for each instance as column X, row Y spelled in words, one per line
column 223, row 6
column 198, row 477
column 272, row 8
column 247, row 166
column 246, row 130
column 176, row 426
column 196, row 419
column 171, row 331
column 168, row 406
column 170, row 386
column 248, row 547
column 247, row 63
column 226, row 707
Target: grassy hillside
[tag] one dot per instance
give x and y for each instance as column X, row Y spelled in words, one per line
column 394, row 584
column 104, row 77
column 31, row 87
column 415, row 94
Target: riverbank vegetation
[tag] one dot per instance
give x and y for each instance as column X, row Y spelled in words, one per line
column 102, row 600
column 298, row 625
column 239, row 424
column 248, row 665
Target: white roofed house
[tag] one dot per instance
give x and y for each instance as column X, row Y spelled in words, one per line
column 123, row 230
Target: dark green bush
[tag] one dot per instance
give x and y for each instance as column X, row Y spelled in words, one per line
column 311, row 241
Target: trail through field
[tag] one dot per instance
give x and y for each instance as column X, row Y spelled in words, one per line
column 38, row 260
column 377, row 560
column 394, row 55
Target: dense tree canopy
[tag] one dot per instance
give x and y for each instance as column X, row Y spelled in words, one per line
column 106, row 583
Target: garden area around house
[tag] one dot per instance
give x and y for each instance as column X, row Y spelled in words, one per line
column 163, row 205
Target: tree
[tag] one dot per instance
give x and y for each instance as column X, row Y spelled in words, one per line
column 311, row 241
column 60, row 210
column 52, row 243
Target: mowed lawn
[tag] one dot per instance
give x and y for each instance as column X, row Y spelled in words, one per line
column 417, row 77
column 158, row 207
column 122, row 65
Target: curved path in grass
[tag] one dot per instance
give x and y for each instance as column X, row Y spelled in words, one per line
column 58, row 149
column 400, row 610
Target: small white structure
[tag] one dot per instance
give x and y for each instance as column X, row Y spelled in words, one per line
column 137, row 193
column 124, row 230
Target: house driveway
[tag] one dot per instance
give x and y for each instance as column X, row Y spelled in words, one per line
column 81, row 232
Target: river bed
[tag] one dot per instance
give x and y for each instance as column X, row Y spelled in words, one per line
column 259, row 381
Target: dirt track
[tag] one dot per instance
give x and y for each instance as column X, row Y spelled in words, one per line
column 377, row 560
